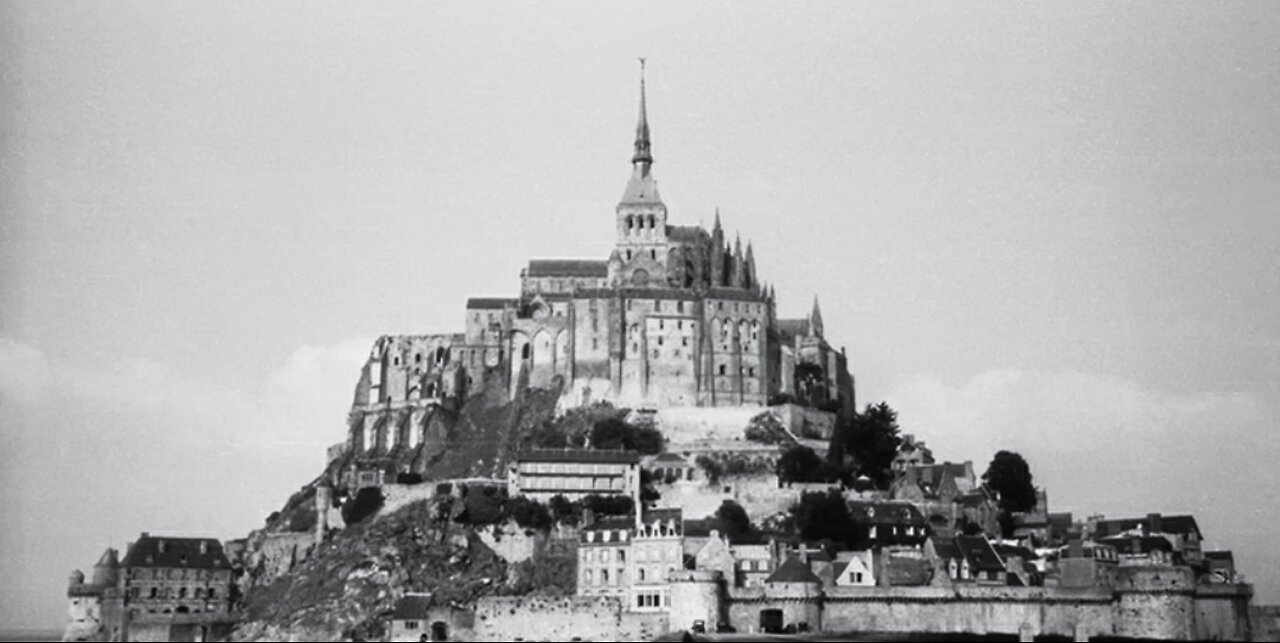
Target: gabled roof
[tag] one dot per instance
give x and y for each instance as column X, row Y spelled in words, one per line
column 163, row 551
column 412, row 607
column 579, row 455
column 881, row 513
column 792, row 571
column 1182, row 524
column 568, row 268
column 979, row 552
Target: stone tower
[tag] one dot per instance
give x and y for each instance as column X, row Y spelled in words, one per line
column 641, row 215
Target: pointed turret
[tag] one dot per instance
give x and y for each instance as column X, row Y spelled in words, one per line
column 643, row 158
column 750, row 263
column 642, row 189
column 105, row 571
column 739, row 270
column 815, row 319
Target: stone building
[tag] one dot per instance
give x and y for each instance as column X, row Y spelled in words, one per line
column 632, row 558
column 165, row 589
column 676, row 315
column 574, row 473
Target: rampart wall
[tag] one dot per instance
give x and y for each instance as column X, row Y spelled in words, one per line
column 599, row 618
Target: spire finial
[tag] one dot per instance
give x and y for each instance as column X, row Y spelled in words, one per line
column 642, row 158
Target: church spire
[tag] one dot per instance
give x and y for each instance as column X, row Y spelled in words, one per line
column 642, row 159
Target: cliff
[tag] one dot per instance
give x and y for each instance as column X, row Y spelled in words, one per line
column 350, row 583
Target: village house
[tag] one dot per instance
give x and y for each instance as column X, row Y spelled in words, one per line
column 541, row 474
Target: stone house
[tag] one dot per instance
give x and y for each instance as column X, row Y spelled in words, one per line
column 541, row 474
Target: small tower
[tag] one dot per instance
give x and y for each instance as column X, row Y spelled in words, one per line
column 106, row 571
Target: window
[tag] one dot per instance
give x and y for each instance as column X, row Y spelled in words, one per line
column 722, row 369
column 751, row 371
column 410, row 625
column 155, row 592
column 653, row 254
column 595, row 344
column 640, row 576
column 590, row 577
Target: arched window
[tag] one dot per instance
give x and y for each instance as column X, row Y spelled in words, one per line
column 155, row 592
column 525, row 351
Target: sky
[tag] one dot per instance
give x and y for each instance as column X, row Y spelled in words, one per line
column 1044, row 227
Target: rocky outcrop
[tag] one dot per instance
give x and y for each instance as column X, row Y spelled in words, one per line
column 350, row 583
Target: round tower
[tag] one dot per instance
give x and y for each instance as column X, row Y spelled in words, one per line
column 696, row 596
column 106, row 571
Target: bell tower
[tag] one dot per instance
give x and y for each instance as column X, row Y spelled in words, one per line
column 641, row 215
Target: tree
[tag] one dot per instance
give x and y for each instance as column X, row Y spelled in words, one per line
column 801, row 464
column 563, row 509
column 366, row 501
column 732, row 521
column 1009, row 477
column 870, row 440
column 528, row 513
column 820, row 516
column 613, row 505
column 614, row 433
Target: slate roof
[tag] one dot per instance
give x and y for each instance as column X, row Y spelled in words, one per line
column 685, row 232
column 1138, row 544
column 579, row 455
column 163, row 551
column 792, row 571
column 491, row 303
column 982, row 557
column 412, row 607
column 1184, row 524
column 887, row 513
column 670, row 457
column 568, row 268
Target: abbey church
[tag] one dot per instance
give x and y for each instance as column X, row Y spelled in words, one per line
column 676, row 316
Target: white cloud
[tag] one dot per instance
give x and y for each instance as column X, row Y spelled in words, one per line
column 137, row 445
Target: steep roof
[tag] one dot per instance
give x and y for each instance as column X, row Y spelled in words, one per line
column 412, row 607
column 685, row 233
column 163, row 551
column 579, row 455
column 979, row 552
column 882, row 513
column 568, row 268
column 792, row 571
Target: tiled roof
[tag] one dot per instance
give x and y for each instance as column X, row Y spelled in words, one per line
column 792, row 571
column 491, row 303
column 568, row 268
column 579, row 455
column 163, row 551
column 412, row 607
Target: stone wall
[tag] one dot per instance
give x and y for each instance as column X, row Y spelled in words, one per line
column 1264, row 621
column 759, row 494
column 561, row 619
column 806, row 422
column 696, row 424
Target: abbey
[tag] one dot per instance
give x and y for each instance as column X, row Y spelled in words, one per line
column 676, row 316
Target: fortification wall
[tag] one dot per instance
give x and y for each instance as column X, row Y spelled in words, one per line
column 682, row 425
column 1222, row 612
column 759, row 494
column 599, row 618
column 1264, row 622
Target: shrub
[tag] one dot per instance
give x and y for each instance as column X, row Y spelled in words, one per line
column 302, row 519
column 528, row 513
column 614, row 433
column 409, row 478
column 366, row 502
column 563, row 509
column 609, row 505
column 710, row 467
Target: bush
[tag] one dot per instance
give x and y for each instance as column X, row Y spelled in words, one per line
column 409, row 478
column 767, row 429
column 710, row 467
column 302, row 520
column 563, row 509
column 614, row 433
column 801, row 464
column 822, row 516
column 528, row 513
column 608, row 505
column 366, row 502
column 482, row 506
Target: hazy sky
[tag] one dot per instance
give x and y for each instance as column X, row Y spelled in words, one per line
column 1045, row 227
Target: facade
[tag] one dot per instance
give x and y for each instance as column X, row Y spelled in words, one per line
column 676, row 315
column 174, row 589
column 574, row 473
column 632, row 558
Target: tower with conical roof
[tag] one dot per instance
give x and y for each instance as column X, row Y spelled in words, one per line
column 641, row 215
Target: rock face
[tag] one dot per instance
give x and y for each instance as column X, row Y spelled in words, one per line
column 348, row 585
